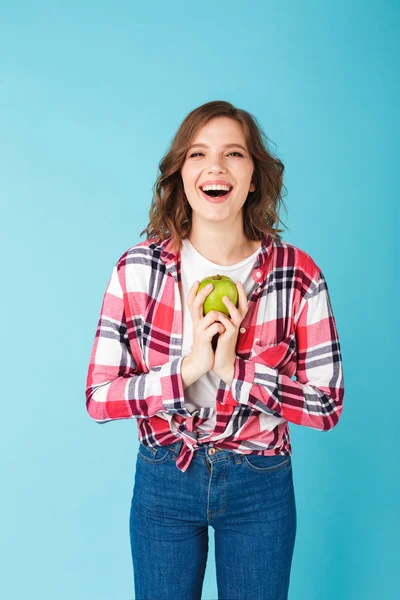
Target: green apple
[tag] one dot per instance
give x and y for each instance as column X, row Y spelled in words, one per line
column 223, row 286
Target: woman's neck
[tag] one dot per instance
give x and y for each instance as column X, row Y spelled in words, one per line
column 223, row 249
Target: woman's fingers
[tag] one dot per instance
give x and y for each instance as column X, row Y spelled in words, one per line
column 196, row 300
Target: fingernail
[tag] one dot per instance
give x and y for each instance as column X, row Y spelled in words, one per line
column 209, row 286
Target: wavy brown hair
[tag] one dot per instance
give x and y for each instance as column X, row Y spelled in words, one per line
column 170, row 211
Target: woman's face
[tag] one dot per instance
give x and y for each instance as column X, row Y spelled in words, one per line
column 218, row 152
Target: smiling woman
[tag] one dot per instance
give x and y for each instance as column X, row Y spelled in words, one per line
column 218, row 145
column 213, row 420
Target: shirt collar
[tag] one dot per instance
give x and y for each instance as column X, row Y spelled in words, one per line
column 171, row 258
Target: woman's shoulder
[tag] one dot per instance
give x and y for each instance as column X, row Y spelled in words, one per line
column 138, row 252
column 293, row 256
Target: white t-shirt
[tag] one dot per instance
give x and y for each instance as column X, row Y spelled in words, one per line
column 195, row 267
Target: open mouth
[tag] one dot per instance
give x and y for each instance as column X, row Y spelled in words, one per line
column 216, row 195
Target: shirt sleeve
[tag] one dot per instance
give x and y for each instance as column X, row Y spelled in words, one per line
column 114, row 388
column 315, row 398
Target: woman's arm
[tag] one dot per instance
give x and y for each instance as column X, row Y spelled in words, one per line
column 114, row 389
column 315, row 399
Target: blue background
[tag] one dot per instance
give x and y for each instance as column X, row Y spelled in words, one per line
column 90, row 96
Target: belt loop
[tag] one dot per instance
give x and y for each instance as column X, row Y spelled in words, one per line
column 238, row 458
column 176, row 447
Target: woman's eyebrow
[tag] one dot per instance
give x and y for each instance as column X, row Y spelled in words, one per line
column 225, row 146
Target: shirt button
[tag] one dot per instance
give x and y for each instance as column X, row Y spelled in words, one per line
column 242, row 330
column 258, row 273
column 211, row 451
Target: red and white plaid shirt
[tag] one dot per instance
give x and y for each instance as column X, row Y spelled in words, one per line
column 136, row 359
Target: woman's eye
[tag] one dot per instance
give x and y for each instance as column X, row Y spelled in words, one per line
column 194, row 154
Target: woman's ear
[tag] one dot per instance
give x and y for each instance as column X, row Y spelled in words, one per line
column 253, row 184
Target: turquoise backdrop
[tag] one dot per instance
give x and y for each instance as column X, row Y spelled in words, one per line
column 91, row 94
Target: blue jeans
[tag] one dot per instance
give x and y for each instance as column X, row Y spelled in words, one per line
column 247, row 499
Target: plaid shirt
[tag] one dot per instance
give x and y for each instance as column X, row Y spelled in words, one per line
column 289, row 331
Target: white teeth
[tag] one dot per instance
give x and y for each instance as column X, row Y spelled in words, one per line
column 216, row 187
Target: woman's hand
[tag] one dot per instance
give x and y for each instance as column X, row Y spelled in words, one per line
column 225, row 353
column 204, row 329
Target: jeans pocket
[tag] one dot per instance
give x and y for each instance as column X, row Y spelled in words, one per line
column 157, row 455
column 262, row 463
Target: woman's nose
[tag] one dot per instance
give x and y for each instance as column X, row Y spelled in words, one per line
column 216, row 167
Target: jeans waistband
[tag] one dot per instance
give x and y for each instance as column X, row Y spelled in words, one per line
column 207, row 449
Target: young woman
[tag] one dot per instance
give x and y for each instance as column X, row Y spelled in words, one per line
column 213, row 421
